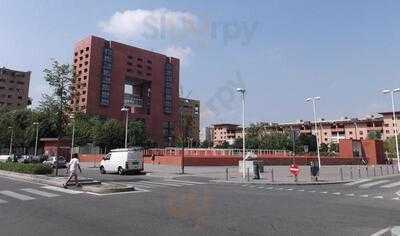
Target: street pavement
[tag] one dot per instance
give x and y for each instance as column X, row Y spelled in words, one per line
column 189, row 205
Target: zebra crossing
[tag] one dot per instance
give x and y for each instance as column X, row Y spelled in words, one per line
column 377, row 183
column 29, row 194
column 166, row 183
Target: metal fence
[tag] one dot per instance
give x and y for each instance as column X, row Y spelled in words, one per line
column 213, row 152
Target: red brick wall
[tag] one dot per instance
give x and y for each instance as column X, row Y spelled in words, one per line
column 346, row 148
column 90, row 157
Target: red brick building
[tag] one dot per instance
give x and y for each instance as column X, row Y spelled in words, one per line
column 110, row 75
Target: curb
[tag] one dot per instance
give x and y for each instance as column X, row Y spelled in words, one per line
column 284, row 183
column 28, row 178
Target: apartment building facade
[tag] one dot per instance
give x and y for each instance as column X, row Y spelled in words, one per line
column 14, row 88
column 225, row 133
column 112, row 75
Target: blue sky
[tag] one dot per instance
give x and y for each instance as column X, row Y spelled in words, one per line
column 280, row 51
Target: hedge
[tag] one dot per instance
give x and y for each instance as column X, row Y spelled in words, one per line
column 37, row 169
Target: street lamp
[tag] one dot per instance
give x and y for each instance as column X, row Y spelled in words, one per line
column 37, row 136
column 314, row 102
column 242, row 91
column 11, row 139
column 126, row 110
column 392, row 92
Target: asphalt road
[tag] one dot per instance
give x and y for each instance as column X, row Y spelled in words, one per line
column 198, row 207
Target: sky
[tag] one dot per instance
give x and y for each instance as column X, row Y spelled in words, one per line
column 280, row 51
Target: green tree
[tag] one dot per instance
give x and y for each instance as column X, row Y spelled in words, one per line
column 136, row 134
column 375, row 135
column 109, row 135
column 60, row 78
column 389, row 146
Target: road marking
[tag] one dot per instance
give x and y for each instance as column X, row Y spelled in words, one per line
column 381, row 232
column 378, row 197
column 142, row 185
column 159, row 183
column 120, row 193
column 365, row 195
column 312, row 191
column 184, row 181
column 358, row 182
column 289, row 189
column 350, row 194
column 337, row 193
column 40, row 193
column 391, row 185
column 2, row 201
column 324, row 192
column 245, row 185
column 16, row 195
column 63, row 190
column 260, row 187
column 396, row 198
column 270, row 188
column 373, row 183
column 279, row 188
column 301, row 190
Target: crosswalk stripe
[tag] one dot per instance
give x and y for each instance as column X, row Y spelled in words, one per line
column 379, row 197
column 365, row 195
column 2, row 201
column 350, row 194
column 391, row 185
column 184, row 181
column 337, row 193
column 358, row 182
column 367, row 185
column 63, row 190
column 159, row 183
column 40, row 193
column 16, row 195
column 141, row 185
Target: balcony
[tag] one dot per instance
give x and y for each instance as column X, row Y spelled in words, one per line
column 133, row 101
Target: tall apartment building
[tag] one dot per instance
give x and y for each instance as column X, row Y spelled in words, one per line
column 111, row 75
column 191, row 115
column 14, row 88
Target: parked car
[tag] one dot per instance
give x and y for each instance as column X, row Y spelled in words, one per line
column 60, row 163
column 4, row 158
column 122, row 161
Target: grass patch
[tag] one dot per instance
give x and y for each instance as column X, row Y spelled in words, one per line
column 37, row 169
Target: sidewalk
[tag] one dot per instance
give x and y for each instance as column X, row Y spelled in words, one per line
column 275, row 174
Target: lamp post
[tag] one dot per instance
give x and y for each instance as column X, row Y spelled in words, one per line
column 392, row 92
column 314, row 102
column 242, row 92
column 37, row 136
column 126, row 110
column 72, row 117
column 11, row 139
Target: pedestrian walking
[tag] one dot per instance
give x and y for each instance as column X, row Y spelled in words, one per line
column 73, row 167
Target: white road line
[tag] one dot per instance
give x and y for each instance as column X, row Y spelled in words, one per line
column 142, row 185
column 120, row 193
column 396, row 198
column 324, row 192
column 279, row 188
column 16, row 195
column 378, row 197
column 184, row 181
column 350, row 194
column 63, row 190
column 301, row 190
column 289, row 189
column 337, row 193
column 358, row 182
column 365, row 195
column 260, row 187
column 159, row 183
column 245, row 185
column 312, row 191
column 40, row 193
column 391, row 185
column 381, row 232
column 2, row 201
column 270, row 188
column 367, row 185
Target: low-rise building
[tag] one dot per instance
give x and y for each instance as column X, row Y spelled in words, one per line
column 190, row 109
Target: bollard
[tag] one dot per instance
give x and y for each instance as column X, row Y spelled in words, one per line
column 374, row 172
column 351, row 172
column 227, row 174
column 359, row 173
column 248, row 174
column 392, row 169
column 272, row 175
column 380, row 167
column 341, row 173
column 387, row 169
column 366, row 169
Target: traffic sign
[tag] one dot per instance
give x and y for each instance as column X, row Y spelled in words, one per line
column 294, row 169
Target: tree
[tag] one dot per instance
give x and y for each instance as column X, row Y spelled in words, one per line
column 136, row 133
column 206, row 144
column 109, row 135
column 389, row 145
column 308, row 140
column 375, row 135
column 60, row 78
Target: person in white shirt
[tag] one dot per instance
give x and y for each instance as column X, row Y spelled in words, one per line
column 73, row 167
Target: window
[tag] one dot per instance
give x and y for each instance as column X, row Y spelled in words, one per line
column 130, row 57
column 84, row 77
column 11, row 89
column 9, row 96
column 87, row 48
column 129, row 70
column 80, row 65
column 129, row 63
column 19, row 97
column 76, row 53
column 11, row 81
column 361, row 132
column 75, row 60
column 148, row 74
column 81, row 58
column 140, row 59
column 83, row 99
column 87, row 56
column 139, row 66
column 20, row 82
column 350, row 133
column 84, row 92
column 139, row 72
column 85, row 70
column 149, row 62
column 86, row 63
column 388, row 131
column 168, row 77
column 81, row 51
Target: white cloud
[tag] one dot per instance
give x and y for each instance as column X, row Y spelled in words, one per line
column 182, row 53
column 149, row 24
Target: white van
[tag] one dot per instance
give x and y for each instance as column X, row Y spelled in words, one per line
column 122, row 161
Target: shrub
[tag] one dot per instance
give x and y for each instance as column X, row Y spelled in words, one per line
column 37, row 169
